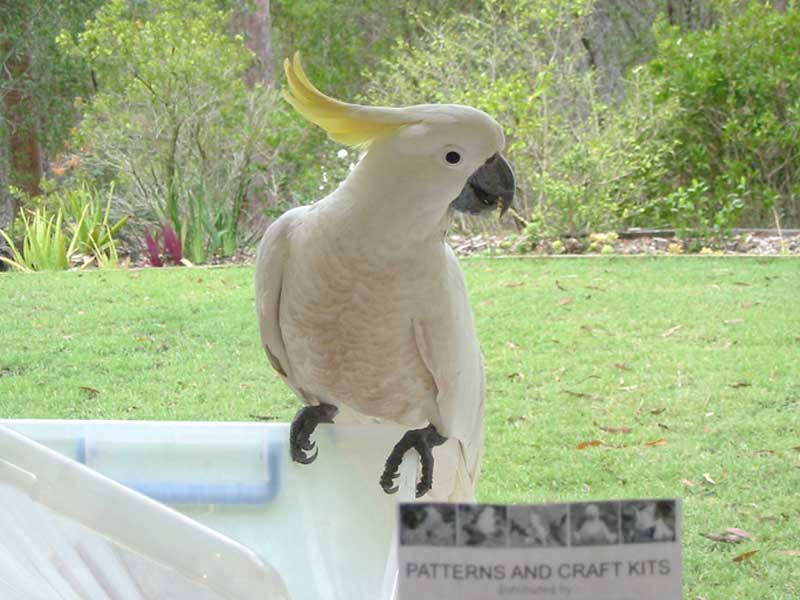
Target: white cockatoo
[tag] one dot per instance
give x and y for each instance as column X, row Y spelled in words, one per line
column 362, row 306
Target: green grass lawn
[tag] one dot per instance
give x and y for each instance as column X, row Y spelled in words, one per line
column 686, row 369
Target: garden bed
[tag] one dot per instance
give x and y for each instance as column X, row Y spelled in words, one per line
column 756, row 242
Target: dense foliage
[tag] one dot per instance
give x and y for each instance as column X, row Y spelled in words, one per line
column 51, row 79
column 729, row 111
column 174, row 121
column 618, row 113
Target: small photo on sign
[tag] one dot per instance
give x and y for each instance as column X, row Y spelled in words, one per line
column 538, row 526
column 648, row 521
column 428, row 524
column 482, row 526
column 594, row 523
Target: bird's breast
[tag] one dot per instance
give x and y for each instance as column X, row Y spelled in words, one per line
column 347, row 324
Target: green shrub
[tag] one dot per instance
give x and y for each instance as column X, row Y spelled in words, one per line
column 728, row 107
column 173, row 120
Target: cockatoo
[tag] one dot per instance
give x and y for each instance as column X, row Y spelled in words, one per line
column 362, row 306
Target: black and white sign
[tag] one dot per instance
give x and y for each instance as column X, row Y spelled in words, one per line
column 609, row 550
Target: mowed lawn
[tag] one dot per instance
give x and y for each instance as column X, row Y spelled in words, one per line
column 607, row 378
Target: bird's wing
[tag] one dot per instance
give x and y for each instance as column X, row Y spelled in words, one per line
column 448, row 344
column 271, row 258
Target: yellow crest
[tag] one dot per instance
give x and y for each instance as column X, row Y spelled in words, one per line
column 350, row 124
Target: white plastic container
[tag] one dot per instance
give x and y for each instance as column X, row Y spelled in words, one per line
column 327, row 528
column 70, row 533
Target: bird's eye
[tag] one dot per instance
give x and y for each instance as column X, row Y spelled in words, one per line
column 452, row 157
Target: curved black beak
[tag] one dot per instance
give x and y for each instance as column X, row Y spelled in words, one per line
column 490, row 185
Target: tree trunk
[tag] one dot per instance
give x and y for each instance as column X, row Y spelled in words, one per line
column 256, row 23
column 780, row 5
column 6, row 205
column 25, row 153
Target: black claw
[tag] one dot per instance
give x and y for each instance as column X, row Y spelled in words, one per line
column 305, row 460
column 387, row 483
column 387, row 480
column 423, row 441
column 303, row 425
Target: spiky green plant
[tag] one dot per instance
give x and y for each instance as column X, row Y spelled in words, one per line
column 45, row 245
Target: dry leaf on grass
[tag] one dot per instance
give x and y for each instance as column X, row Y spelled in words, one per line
column 565, row 301
column 749, row 304
column 592, row 443
column 622, row 366
column 512, row 345
column 744, row 556
column 722, row 345
column 616, row 429
column 672, row 331
column 91, row 390
column 689, row 483
column 659, row 442
column 262, row 417
column 740, row 532
column 708, row 479
column 763, row 452
column 790, row 552
column 576, row 394
column 723, row 538
column 741, row 384
column 734, row 321
column 514, row 284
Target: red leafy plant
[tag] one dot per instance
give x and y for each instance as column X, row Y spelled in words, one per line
column 172, row 249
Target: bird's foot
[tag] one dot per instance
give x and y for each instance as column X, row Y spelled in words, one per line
column 423, row 441
column 303, row 425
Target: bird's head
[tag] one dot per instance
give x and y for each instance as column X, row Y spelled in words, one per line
column 452, row 151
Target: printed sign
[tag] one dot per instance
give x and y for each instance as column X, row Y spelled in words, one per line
column 611, row 550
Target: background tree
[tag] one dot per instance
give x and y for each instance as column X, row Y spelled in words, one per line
column 38, row 86
column 254, row 20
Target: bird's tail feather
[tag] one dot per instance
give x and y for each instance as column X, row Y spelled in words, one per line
column 456, row 470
